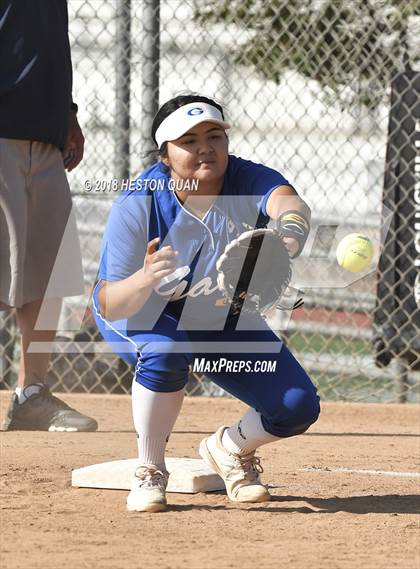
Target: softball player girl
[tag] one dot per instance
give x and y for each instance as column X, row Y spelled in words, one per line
column 158, row 305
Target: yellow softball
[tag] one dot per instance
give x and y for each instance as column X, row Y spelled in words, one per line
column 355, row 252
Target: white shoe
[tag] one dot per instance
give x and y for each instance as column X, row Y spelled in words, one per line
column 241, row 474
column 148, row 489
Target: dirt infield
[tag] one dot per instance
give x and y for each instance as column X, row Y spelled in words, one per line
column 317, row 518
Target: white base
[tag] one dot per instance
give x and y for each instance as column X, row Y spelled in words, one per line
column 186, row 475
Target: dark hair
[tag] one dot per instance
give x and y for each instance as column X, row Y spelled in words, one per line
column 172, row 105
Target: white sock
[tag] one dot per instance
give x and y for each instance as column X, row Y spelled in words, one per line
column 24, row 393
column 154, row 415
column 247, row 434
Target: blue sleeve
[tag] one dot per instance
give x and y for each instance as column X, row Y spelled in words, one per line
column 256, row 180
column 125, row 239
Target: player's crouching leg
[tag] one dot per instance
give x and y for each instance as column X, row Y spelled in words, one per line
column 231, row 450
column 157, row 395
column 297, row 412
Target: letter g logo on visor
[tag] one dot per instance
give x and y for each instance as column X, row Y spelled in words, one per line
column 195, row 111
column 186, row 117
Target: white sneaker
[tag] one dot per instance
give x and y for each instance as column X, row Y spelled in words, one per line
column 241, row 474
column 148, row 489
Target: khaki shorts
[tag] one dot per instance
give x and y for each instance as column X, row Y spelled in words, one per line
column 39, row 247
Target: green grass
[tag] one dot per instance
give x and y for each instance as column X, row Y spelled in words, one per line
column 344, row 386
column 317, row 343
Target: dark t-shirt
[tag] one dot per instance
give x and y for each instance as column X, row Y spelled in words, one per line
column 35, row 70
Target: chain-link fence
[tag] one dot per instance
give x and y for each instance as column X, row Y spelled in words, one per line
column 307, row 86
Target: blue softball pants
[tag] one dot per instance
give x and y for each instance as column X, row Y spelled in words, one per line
column 285, row 397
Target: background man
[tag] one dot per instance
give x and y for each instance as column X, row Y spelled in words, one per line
column 39, row 138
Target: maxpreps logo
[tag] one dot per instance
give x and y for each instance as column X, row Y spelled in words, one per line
column 195, row 111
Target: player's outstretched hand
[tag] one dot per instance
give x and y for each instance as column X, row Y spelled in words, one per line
column 158, row 263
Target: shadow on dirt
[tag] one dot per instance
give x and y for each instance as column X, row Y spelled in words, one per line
column 383, row 504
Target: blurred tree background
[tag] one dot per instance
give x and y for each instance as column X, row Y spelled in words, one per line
column 352, row 48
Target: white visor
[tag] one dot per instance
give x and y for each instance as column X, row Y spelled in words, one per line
column 183, row 119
